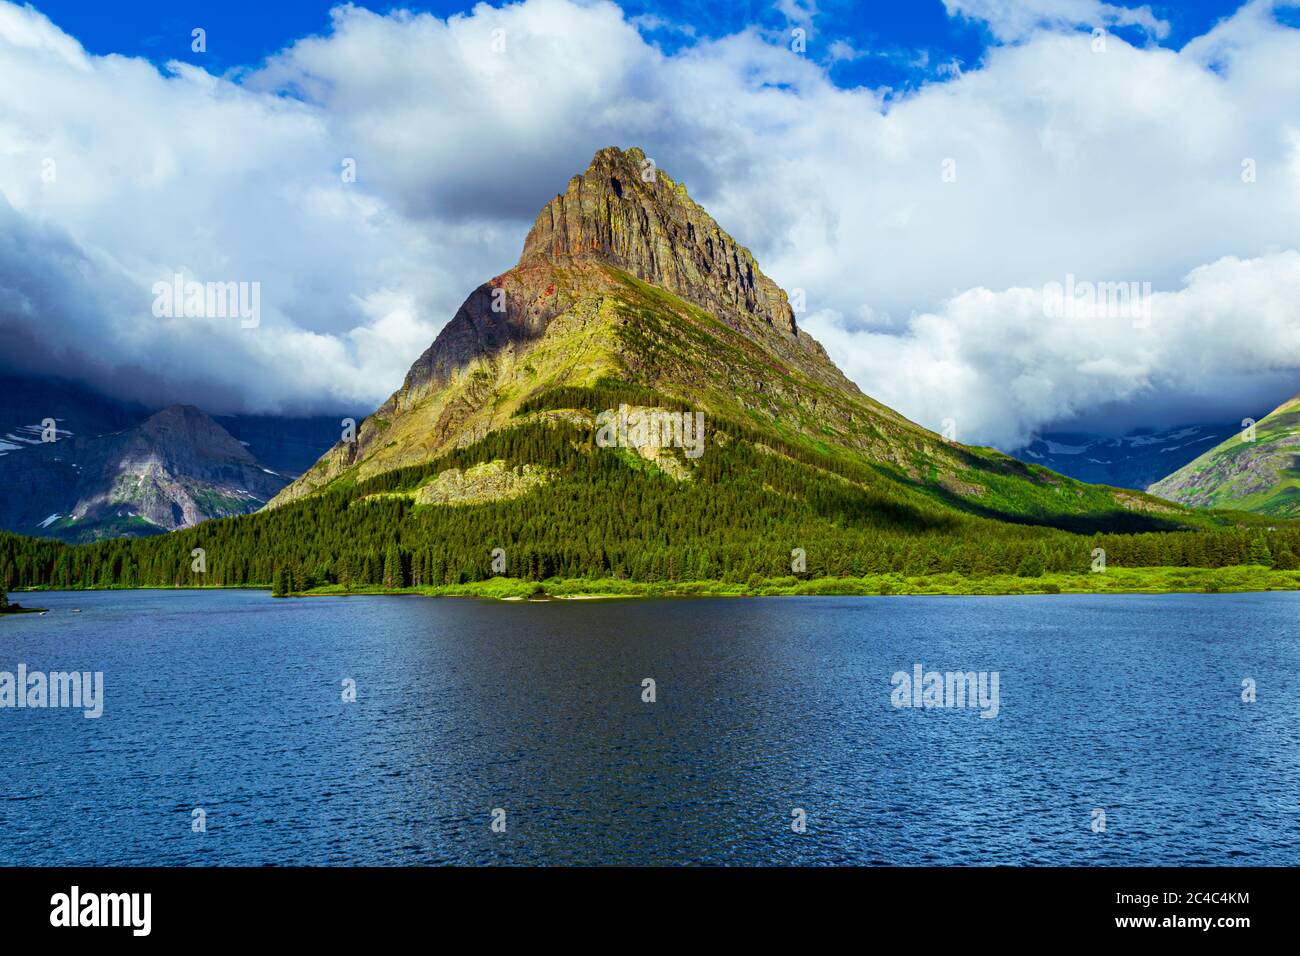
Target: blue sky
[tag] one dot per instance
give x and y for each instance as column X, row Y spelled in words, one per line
column 905, row 42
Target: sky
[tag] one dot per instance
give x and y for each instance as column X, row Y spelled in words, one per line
column 926, row 173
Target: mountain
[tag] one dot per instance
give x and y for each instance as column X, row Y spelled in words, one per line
column 635, row 401
column 628, row 292
column 176, row 468
column 288, row 444
column 1133, row 461
column 1262, row 475
column 47, row 480
column 610, row 272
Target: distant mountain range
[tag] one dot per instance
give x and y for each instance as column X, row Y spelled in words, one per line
column 115, row 469
column 1253, row 470
column 288, row 445
column 1136, row 460
column 173, row 470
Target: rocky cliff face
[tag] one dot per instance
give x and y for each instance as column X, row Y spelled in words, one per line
column 1259, row 472
column 625, row 211
column 616, row 214
column 175, row 469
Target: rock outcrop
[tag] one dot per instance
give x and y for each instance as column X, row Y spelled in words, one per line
column 625, row 211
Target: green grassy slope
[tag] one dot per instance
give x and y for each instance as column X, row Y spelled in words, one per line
column 1261, row 476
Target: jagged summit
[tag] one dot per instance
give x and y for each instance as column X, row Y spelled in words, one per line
column 617, row 216
column 190, row 428
column 626, row 211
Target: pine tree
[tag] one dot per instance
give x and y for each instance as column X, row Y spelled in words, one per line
column 279, row 587
column 1259, row 553
column 393, row 577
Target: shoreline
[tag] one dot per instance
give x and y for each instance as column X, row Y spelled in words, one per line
column 1129, row 581
column 1153, row 580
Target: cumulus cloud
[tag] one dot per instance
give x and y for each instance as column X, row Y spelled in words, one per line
column 922, row 228
column 115, row 176
column 1000, row 364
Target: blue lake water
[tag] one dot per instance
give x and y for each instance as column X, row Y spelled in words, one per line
column 231, row 701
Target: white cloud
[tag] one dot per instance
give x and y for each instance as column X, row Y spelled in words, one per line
column 997, row 364
column 116, row 176
column 1114, row 166
column 796, row 11
column 1018, row 19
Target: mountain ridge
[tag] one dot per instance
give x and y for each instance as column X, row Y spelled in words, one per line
column 1257, row 469
column 173, row 470
column 1135, row 460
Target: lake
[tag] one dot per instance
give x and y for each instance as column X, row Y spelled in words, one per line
column 770, row 716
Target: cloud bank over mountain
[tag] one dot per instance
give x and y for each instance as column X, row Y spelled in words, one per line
column 921, row 228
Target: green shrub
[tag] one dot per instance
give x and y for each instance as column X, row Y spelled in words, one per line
column 1031, row 566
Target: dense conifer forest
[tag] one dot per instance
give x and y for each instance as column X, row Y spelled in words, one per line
column 604, row 513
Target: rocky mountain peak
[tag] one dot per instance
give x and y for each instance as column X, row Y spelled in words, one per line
column 626, row 211
column 609, row 266
column 186, row 431
column 174, row 469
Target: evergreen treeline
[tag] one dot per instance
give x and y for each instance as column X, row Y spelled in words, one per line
column 607, row 513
